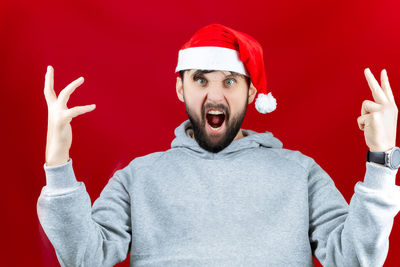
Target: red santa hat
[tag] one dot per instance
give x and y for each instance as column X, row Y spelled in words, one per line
column 218, row 47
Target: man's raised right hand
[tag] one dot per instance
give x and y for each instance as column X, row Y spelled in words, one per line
column 59, row 133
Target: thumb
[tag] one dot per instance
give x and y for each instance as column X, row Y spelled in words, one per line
column 362, row 121
column 76, row 111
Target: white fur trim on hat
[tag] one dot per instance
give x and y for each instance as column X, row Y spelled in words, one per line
column 265, row 103
column 210, row 58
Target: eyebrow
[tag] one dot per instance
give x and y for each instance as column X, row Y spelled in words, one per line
column 200, row 73
column 234, row 74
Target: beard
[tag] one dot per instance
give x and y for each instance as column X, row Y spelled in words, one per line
column 232, row 126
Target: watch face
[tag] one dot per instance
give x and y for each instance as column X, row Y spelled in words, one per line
column 395, row 158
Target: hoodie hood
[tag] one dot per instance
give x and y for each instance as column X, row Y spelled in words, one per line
column 251, row 139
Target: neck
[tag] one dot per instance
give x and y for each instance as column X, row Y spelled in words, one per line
column 239, row 135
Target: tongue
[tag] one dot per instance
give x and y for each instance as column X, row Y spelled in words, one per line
column 215, row 120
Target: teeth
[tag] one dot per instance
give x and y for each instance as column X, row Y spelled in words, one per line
column 215, row 128
column 215, row 112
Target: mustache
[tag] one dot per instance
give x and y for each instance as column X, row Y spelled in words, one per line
column 215, row 106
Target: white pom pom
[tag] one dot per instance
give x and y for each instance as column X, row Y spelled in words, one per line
column 265, row 103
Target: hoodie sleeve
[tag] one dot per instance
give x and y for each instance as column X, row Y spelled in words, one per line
column 355, row 234
column 81, row 234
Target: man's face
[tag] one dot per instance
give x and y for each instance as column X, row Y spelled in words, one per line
column 216, row 103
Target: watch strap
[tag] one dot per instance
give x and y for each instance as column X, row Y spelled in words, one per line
column 377, row 157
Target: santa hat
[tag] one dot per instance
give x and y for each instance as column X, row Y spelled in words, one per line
column 218, row 47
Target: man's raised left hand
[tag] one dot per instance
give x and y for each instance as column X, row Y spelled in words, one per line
column 378, row 119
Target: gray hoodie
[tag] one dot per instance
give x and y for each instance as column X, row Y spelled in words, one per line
column 252, row 204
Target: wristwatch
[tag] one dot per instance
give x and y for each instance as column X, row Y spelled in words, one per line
column 389, row 158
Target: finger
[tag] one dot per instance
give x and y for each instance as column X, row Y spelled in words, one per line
column 52, row 78
column 362, row 120
column 49, row 93
column 377, row 92
column 369, row 106
column 67, row 91
column 76, row 111
column 386, row 86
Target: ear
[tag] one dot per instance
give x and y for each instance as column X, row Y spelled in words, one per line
column 252, row 92
column 179, row 88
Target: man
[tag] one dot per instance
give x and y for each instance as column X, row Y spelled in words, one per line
column 222, row 195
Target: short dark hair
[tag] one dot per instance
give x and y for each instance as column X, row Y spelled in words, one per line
column 181, row 73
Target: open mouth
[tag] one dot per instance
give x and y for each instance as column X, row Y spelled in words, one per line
column 215, row 118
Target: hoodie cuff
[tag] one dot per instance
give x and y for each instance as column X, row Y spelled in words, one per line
column 60, row 176
column 379, row 177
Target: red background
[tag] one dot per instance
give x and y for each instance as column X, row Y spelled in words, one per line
column 314, row 51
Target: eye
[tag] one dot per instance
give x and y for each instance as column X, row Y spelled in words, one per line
column 230, row 81
column 200, row 81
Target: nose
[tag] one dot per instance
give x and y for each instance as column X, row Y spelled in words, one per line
column 215, row 93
